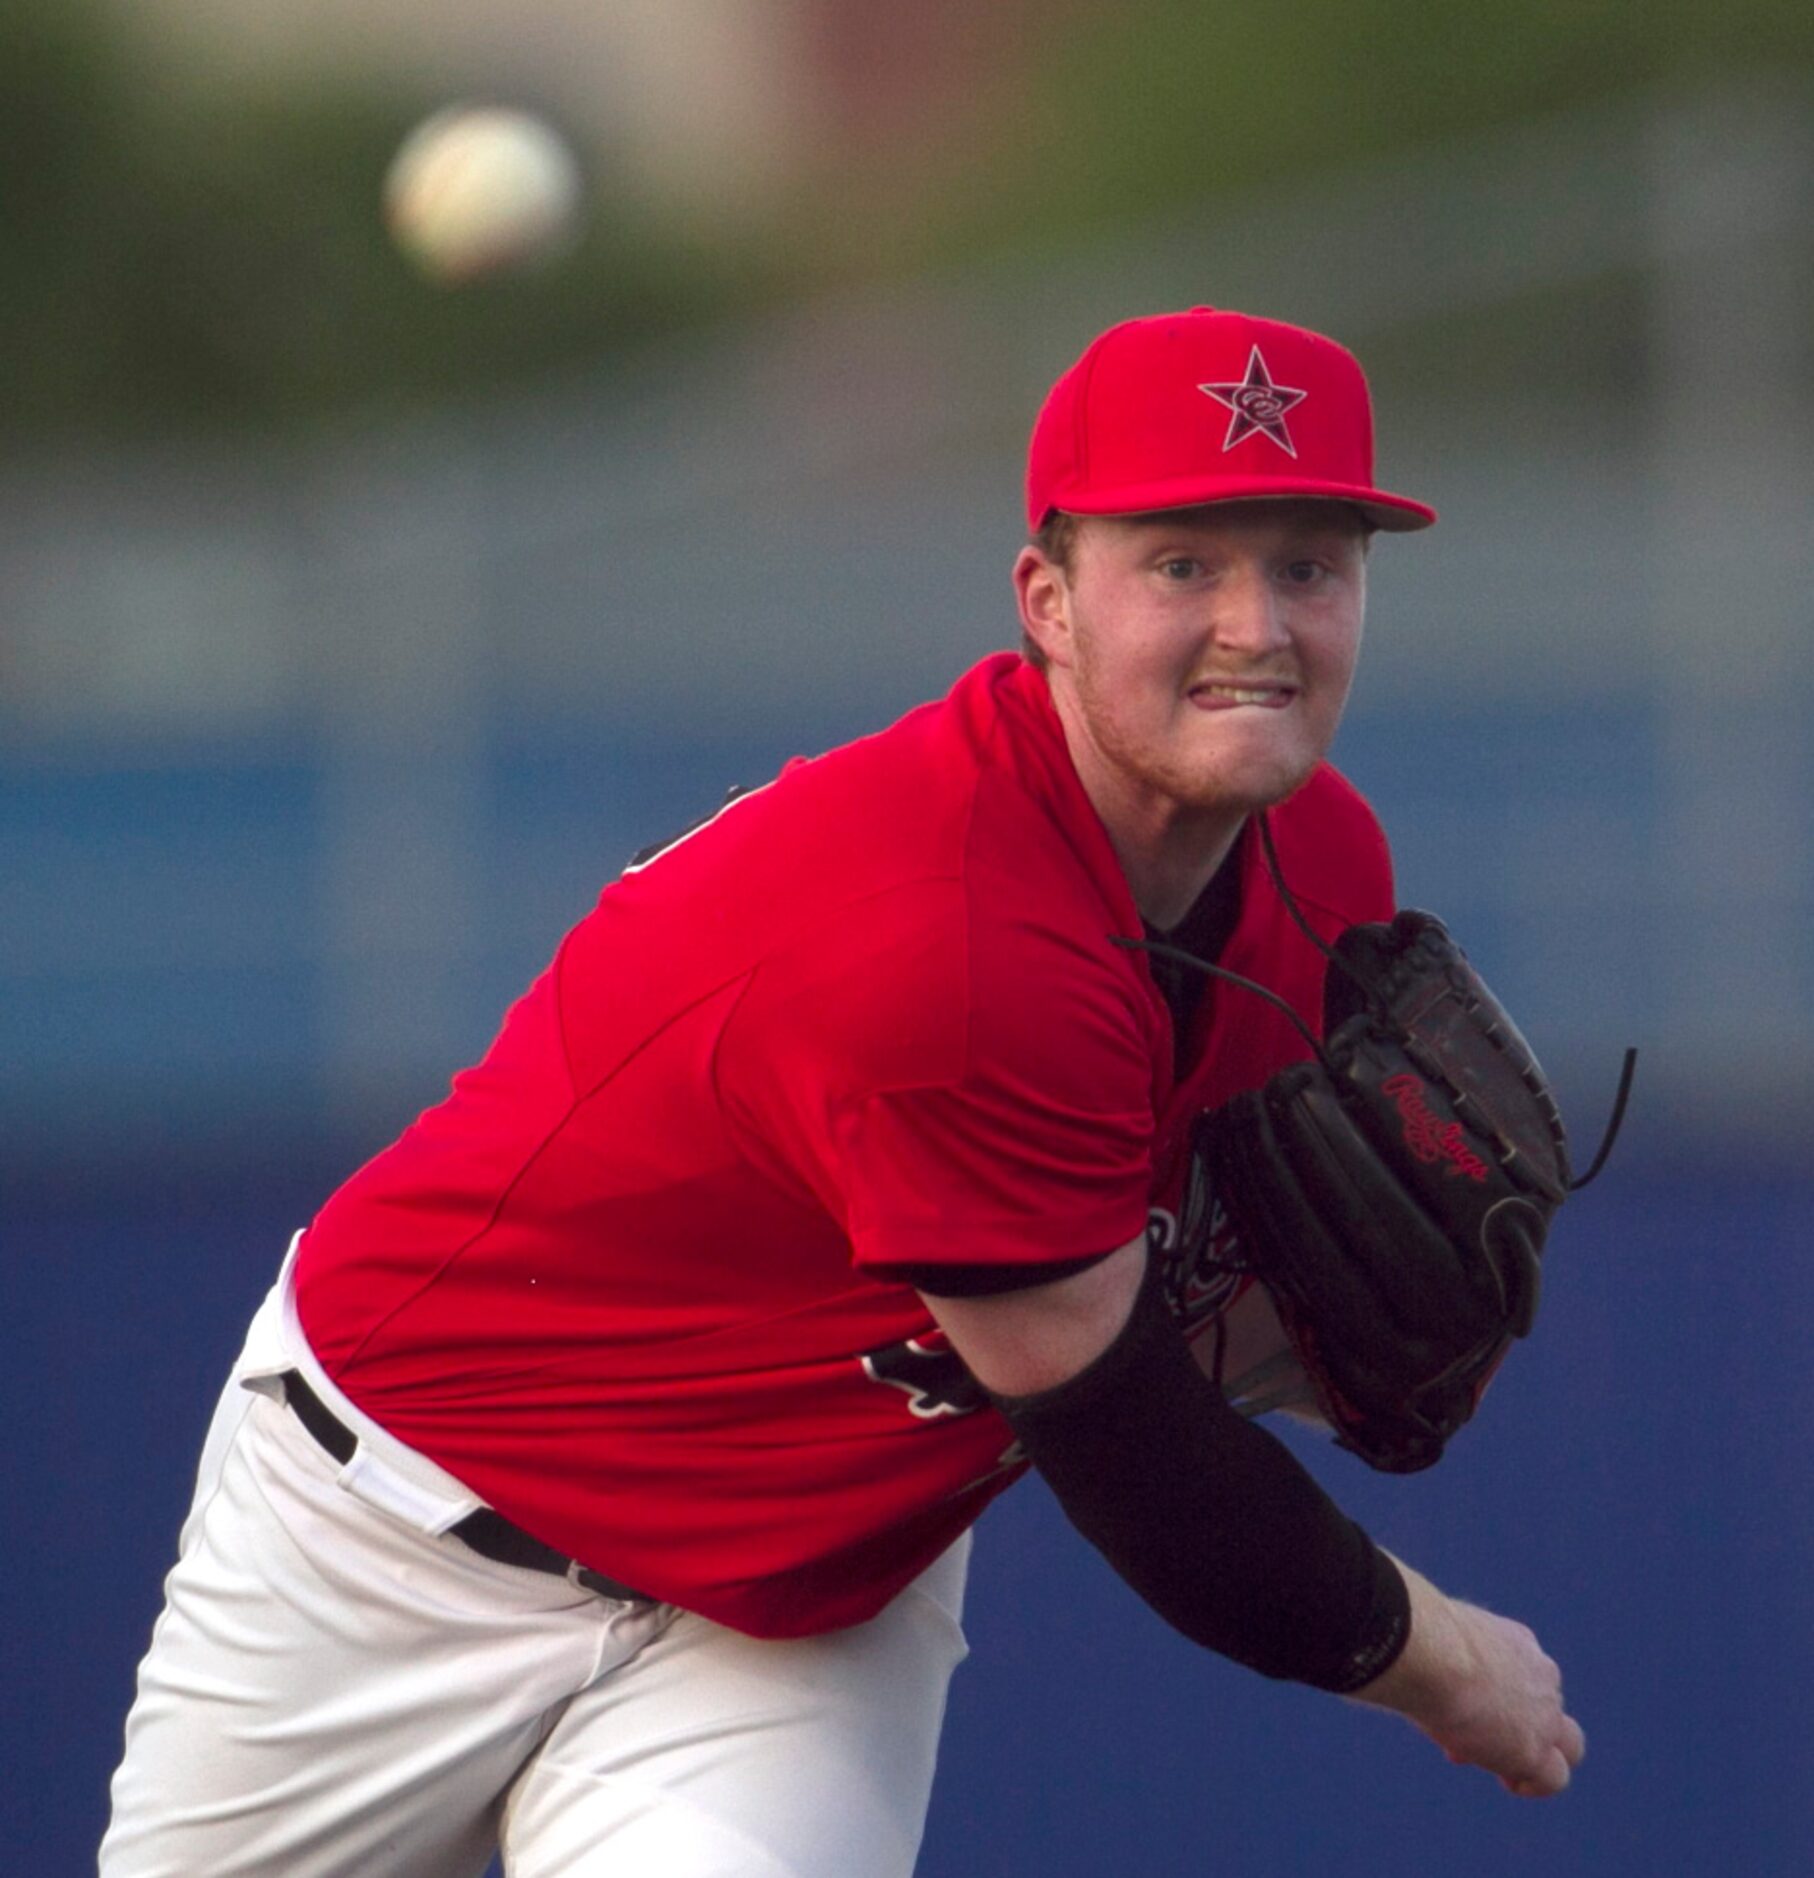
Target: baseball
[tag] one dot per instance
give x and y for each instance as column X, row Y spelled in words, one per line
column 478, row 189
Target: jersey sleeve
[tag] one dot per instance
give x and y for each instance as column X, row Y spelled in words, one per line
column 1034, row 1142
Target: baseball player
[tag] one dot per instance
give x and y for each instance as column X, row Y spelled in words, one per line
column 596, row 1481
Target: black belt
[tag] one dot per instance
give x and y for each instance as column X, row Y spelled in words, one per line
column 489, row 1533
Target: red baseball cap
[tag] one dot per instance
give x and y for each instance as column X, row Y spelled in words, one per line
column 1208, row 406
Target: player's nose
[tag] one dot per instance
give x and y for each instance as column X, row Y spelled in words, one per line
column 1248, row 616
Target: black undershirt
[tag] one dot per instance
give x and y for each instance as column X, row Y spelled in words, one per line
column 1202, row 932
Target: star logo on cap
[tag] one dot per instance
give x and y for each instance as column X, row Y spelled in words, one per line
column 1257, row 404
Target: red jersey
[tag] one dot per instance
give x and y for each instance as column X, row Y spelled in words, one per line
column 636, row 1280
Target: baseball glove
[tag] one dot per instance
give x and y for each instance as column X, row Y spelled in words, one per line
column 1394, row 1195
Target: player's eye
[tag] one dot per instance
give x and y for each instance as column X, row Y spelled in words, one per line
column 1304, row 573
column 1178, row 567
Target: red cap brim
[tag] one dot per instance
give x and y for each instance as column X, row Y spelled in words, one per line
column 1397, row 514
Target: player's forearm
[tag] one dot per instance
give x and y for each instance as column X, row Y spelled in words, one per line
column 1208, row 1517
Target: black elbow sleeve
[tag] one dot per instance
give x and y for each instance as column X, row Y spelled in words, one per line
column 1208, row 1517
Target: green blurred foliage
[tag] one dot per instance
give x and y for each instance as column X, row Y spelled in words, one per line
column 1138, row 105
column 216, row 259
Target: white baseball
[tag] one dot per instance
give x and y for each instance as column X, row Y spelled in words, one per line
column 478, row 189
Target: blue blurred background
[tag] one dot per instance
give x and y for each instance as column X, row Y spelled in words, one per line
column 354, row 631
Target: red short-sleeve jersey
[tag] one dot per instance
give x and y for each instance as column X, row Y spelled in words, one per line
column 635, row 1280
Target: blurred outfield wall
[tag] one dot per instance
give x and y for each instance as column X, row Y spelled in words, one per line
column 310, row 755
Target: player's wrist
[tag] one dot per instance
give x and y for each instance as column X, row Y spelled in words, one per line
column 1432, row 1677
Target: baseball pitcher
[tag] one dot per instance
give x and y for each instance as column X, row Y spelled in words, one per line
column 1048, row 1080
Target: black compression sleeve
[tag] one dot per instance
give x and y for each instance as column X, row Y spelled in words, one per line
column 1209, row 1518
column 986, row 1281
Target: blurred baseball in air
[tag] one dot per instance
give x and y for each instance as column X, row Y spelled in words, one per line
column 480, row 189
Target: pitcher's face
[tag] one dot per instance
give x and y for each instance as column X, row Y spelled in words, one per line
column 1202, row 657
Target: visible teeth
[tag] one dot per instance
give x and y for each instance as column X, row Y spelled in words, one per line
column 1243, row 695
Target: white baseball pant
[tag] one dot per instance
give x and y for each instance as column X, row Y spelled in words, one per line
column 333, row 1693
